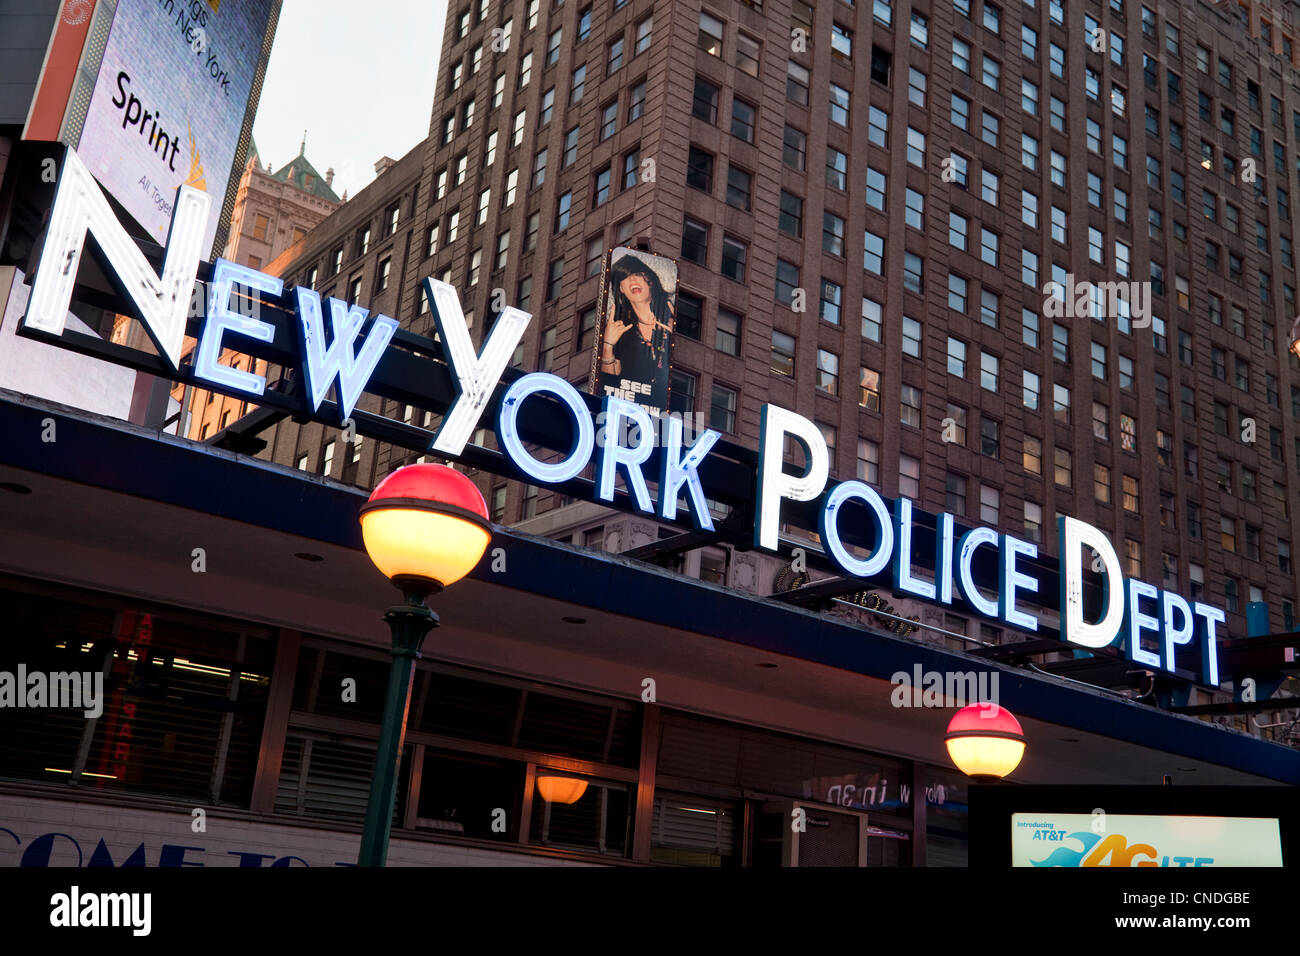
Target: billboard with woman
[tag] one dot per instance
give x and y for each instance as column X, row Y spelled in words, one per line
column 634, row 341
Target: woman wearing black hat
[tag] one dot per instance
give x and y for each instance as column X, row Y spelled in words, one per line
column 635, row 345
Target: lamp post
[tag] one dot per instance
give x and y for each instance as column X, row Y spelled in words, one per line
column 425, row 527
column 985, row 741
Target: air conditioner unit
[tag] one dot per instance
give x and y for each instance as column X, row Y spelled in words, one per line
column 802, row 833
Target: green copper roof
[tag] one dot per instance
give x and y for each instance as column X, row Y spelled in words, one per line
column 301, row 173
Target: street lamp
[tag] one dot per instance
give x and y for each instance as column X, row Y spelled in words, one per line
column 985, row 742
column 425, row 527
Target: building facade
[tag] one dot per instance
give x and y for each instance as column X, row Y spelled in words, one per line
column 1074, row 222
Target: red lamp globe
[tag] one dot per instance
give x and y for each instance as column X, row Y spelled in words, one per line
column 985, row 740
column 425, row 523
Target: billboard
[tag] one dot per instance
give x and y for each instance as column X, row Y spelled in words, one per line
column 1114, row 839
column 634, row 338
column 170, row 102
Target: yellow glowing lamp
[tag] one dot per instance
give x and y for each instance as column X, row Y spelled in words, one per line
column 558, row 789
column 985, row 740
column 425, row 524
column 1295, row 337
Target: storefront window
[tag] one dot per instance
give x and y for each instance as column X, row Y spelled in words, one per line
column 947, row 825
column 179, row 712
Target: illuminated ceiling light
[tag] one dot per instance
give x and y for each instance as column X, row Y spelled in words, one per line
column 426, row 525
column 559, row 789
column 985, row 741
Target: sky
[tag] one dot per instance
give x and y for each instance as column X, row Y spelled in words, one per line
column 380, row 106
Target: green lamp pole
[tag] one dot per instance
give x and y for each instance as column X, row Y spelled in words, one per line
column 425, row 526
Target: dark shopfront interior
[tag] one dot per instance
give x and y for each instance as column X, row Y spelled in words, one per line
column 196, row 692
column 231, row 680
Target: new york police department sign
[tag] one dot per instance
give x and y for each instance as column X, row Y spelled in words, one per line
column 1152, row 624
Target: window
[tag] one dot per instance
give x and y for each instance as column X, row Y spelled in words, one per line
column 699, row 169
column 910, row 406
column 991, row 74
column 614, row 56
column 747, row 53
column 1033, row 455
column 594, row 256
column 868, row 461
column 782, row 353
column 563, row 206
column 705, row 103
column 631, row 168
column 988, row 371
column 913, row 273
column 553, row 278
column 838, row 105
column 796, row 83
column 608, row 121
column 539, row 168
column 1064, row 468
column 990, row 501
column 956, row 357
column 1100, row 421
column 1032, row 388
column 916, row 147
column 909, row 476
column 787, row 280
column 690, row 315
column 795, row 151
column 878, row 127
column 1029, row 97
column 911, row 337
column 1033, row 522
column 989, row 186
column 727, row 335
column 695, row 242
column 841, row 42
column 578, row 84
column 837, row 169
column 832, row 294
column 957, row 225
column 722, row 409
column 1029, row 209
column 828, row 372
column 1129, row 433
column 989, row 128
column 734, row 254
column 743, row 120
column 988, row 246
column 1101, row 483
column 738, row 187
column 954, row 497
column 920, row 31
column 914, row 214
column 960, row 113
column 710, row 35
column 1028, row 152
column 385, row 270
column 957, row 293
column 600, row 190
column 873, row 254
column 916, row 87
column 1061, row 404
column 961, row 54
column 644, row 34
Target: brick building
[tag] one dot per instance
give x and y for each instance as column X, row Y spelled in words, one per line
column 968, row 154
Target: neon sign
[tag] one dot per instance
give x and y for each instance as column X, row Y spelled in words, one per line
column 847, row 511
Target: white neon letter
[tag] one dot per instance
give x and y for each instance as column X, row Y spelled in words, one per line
column 1073, row 535
column 220, row 319
column 679, row 468
column 339, row 360
column 474, row 377
column 774, row 484
column 163, row 302
column 614, row 453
